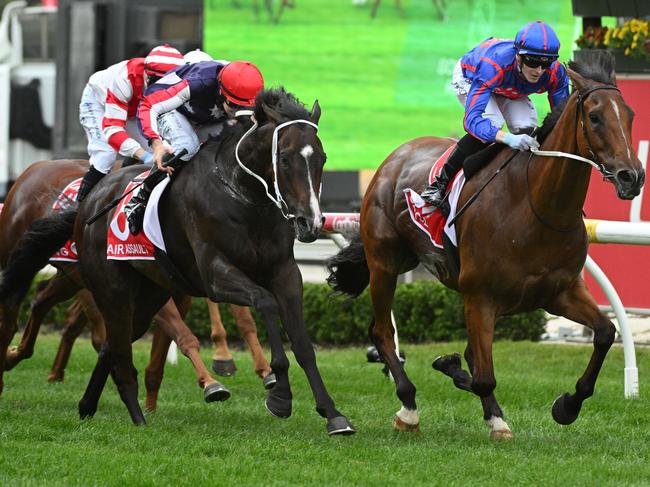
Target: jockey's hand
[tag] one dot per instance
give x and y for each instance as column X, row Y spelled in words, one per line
column 159, row 151
column 523, row 142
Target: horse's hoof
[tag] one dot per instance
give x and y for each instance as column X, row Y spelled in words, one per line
column 55, row 377
column 269, row 381
column 560, row 413
column 139, row 421
column 277, row 406
column 400, row 425
column 340, row 426
column 86, row 411
column 444, row 362
column 501, row 435
column 224, row 368
column 215, row 392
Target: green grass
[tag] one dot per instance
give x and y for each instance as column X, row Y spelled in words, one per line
column 380, row 82
column 188, row 442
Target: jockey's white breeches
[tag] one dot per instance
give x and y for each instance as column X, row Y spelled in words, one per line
column 91, row 112
column 181, row 134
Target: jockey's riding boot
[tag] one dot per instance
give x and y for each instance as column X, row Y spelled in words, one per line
column 435, row 192
column 466, row 146
column 134, row 209
column 91, row 178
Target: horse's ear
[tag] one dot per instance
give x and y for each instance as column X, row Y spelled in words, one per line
column 314, row 115
column 271, row 114
column 578, row 81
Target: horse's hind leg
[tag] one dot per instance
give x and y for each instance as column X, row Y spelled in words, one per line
column 480, row 316
column 248, row 330
column 153, row 374
column 222, row 361
column 8, row 319
column 75, row 323
column 169, row 318
column 55, row 290
column 578, row 305
column 384, row 260
column 90, row 399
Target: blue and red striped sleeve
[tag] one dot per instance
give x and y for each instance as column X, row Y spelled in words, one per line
column 488, row 76
column 558, row 87
column 158, row 101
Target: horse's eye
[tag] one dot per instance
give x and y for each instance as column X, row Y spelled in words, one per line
column 594, row 118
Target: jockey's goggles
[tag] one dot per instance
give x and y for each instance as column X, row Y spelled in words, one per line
column 537, row 61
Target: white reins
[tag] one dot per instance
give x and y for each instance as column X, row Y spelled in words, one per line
column 553, row 153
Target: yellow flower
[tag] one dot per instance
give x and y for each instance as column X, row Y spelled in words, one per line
column 627, row 51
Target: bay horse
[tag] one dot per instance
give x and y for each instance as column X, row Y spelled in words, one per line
column 224, row 238
column 32, row 197
column 521, row 245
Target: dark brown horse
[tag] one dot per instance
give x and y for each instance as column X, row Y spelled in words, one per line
column 31, row 198
column 225, row 239
column 522, row 244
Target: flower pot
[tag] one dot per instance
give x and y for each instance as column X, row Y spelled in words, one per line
column 624, row 64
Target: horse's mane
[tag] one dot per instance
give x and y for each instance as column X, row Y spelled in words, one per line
column 596, row 65
column 280, row 101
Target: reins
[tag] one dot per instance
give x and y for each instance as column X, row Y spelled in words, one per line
column 581, row 97
column 277, row 200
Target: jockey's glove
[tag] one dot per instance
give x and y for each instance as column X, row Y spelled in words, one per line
column 523, row 142
column 147, row 158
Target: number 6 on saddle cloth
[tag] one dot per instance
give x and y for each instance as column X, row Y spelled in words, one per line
column 174, row 162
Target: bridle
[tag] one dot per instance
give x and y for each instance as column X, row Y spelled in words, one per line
column 278, row 200
column 580, row 117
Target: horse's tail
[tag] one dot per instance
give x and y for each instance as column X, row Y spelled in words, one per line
column 42, row 239
column 348, row 269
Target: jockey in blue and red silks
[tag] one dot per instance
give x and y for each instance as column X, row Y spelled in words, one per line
column 493, row 82
column 184, row 108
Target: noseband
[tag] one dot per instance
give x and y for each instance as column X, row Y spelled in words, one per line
column 278, row 200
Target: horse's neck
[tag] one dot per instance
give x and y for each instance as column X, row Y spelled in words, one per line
column 255, row 154
column 558, row 186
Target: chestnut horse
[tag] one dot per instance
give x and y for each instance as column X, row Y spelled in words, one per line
column 224, row 238
column 30, row 198
column 521, row 244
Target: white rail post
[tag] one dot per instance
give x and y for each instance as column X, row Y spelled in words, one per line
column 631, row 373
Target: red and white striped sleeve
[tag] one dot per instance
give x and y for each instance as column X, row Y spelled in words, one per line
column 158, row 102
column 118, row 94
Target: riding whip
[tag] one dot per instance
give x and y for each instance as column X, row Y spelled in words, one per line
column 173, row 162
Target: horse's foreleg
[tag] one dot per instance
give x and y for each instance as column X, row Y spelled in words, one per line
column 248, row 330
column 578, row 305
column 94, row 317
column 75, row 322
column 480, row 316
column 287, row 289
column 222, row 361
column 171, row 323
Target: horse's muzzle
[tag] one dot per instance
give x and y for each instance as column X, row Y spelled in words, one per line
column 629, row 183
column 307, row 230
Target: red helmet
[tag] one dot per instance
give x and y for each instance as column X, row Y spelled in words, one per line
column 162, row 59
column 240, row 82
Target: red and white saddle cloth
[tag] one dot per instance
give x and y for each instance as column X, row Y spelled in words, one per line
column 120, row 243
column 67, row 198
column 431, row 220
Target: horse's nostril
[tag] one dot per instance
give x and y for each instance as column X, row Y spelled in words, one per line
column 322, row 220
column 626, row 176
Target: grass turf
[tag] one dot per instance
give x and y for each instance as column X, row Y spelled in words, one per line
column 42, row 442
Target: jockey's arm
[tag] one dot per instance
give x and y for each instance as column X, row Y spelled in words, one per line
column 474, row 123
column 118, row 94
column 558, row 90
column 154, row 104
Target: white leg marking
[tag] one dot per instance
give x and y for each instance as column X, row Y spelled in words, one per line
column 497, row 424
column 620, row 125
column 306, row 152
column 409, row 416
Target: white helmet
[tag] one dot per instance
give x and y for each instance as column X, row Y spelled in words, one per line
column 196, row 56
